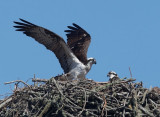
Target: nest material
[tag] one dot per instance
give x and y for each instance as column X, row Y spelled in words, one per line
column 87, row 98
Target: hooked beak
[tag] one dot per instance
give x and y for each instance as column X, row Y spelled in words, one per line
column 95, row 62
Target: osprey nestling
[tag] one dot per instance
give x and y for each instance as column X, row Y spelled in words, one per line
column 72, row 56
column 112, row 76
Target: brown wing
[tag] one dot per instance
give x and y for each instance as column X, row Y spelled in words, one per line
column 51, row 41
column 78, row 40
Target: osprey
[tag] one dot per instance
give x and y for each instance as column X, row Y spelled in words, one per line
column 112, row 76
column 71, row 55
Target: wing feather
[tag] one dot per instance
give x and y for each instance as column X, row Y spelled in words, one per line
column 51, row 41
column 79, row 41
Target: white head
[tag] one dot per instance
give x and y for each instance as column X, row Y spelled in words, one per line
column 112, row 74
column 93, row 60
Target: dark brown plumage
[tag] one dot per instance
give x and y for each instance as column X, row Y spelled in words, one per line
column 50, row 40
column 78, row 40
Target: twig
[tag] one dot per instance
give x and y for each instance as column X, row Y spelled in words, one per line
column 144, row 96
column 46, row 108
column 17, row 81
column 57, row 87
column 104, row 106
column 39, row 80
column 84, row 103
column 125, row 105
column 129, row 80
column 153, row 102
column 130, row 72
column 5, row 102
column 68, row 114
column 146, row 111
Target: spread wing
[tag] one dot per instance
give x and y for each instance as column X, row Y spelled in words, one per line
column 78, row 40
column 51, row 41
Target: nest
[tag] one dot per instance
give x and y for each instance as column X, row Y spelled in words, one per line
column 87, row 98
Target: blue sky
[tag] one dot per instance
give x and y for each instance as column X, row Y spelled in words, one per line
column 124, row 34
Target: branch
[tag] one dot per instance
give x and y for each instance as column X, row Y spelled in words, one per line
column 5, row 102
column 17, row 81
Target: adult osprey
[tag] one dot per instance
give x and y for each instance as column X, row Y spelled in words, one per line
column 72, row 56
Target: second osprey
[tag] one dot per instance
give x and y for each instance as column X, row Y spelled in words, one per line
column 71, row 55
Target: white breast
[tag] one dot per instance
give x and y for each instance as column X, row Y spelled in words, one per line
column 78, row 72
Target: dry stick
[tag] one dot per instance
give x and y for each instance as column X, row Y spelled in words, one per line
column 129, row 80
column 36, row 115
column 130, row 72
column 33, row 81
column 39, row 80
column 144, row 96
column 153, row 103
column 104, row 106
column 84, row 104
column 46, row 108
column 36, row 105
column 68, row 114
column 134, row 99
column 40, row 108
column 59, row 109
column 17, row 81
column 125, row 105
column 57, row 87
column 145, row 111
column 5, row 102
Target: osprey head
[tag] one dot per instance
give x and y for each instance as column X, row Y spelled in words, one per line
column 93, row 60
column 112, row 74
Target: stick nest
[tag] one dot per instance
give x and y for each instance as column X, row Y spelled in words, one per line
column 87, row 98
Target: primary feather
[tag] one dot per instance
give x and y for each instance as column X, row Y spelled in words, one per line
column 78, row 40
